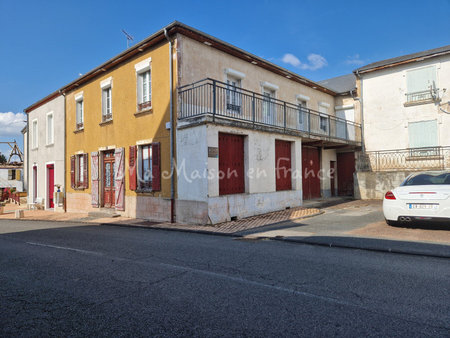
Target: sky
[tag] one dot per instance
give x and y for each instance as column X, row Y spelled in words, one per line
column 47, row 44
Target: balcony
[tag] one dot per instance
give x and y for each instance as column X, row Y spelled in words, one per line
column 415, row 98
column 213, row 101
column 410, row 159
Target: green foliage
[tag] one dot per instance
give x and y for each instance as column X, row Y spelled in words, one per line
column 3, row 159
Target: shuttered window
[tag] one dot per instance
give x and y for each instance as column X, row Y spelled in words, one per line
column 283, row 165
column 147, row 167
column 79, row 171
column 423, row 134
column 420, row 79
column 231, row 164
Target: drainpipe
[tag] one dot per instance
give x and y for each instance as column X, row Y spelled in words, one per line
column 361, row 110
column 65, row 152
column 28, row 156
column 172, row 178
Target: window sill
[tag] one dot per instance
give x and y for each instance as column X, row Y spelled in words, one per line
column 49, row 145
column 417, row 103
column 103, row 123
column 144, row 190
column 144, row 111
column 76, row 131
column 78, row 188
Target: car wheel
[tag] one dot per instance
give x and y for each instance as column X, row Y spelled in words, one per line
column 392, row 223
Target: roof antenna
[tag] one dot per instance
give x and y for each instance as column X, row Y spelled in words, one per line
column 128, row 36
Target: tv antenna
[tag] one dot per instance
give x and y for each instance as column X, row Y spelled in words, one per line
column 129, row 37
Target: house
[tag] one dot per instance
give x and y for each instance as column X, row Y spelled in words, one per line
column 183, row 126
column 11, row 176
column 44, row 155
column 406, row 119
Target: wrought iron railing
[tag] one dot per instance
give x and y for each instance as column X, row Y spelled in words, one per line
column 428, row 158
column 218, row 99
column 424, row 95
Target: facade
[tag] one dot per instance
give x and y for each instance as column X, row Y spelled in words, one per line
column 11, row 176
column 406, row 119
column 44, row 153
column 149, row 133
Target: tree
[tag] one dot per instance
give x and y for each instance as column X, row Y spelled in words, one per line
column 3, row 159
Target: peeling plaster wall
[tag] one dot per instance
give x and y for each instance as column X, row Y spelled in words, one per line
column 373, row 185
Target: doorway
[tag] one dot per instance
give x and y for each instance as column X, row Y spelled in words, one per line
column 109, row 195
column 34, row 183
column 311, row 172
column 345, row 169
column 333, row 178
column 50, row 185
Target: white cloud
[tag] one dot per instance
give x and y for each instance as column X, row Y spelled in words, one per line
column 354, row 60
column 11, row 124
column 315, row 61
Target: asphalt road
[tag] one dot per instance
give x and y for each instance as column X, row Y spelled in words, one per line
column 72, row 280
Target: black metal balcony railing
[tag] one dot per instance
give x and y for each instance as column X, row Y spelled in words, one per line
column 410, row 159
column 424, row 95
column 218, row 99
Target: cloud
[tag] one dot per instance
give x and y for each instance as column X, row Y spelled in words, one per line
column 11, row 124
column 354, row 60
column 315, row 61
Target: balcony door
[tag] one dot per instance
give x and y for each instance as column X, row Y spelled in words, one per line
column 234, row 97
column 268, row 106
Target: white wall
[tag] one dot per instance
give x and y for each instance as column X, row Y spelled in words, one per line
column 6, row 183
column 46, row 154
column 386, row 117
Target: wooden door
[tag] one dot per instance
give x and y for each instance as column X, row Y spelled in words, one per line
column 311, row 176
column 231, row 164
column 333, row 178
column 283, row 165
column 345, row 170
column 50, row 184
column 108, row 180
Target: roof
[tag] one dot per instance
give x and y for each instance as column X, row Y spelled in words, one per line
column 340, row 84
column 172, row 29
column 404, row 59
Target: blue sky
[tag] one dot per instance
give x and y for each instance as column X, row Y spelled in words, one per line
column 47, row 44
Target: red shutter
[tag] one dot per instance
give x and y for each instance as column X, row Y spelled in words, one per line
column 72, row 171
column 85, row 171
column 156, row 166
column 119, row 177
column 283, row 165
column 132, row 167
column 95, row 179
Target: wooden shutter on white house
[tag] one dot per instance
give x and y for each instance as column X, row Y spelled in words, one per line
column 94, row 180
column 119, row 178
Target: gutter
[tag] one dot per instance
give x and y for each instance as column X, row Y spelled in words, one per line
column 172, row 178
column 65, row 152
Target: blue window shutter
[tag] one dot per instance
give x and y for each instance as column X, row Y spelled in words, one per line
column 423, row 134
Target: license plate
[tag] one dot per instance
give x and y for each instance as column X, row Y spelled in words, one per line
column 422, row 206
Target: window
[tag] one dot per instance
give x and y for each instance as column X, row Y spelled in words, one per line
column 34, row 136
column 106, row 104
column 301, row 110
column 145, row 167
column 80, row 113
column 323, row 118
column 50, row 129
column 11, row 174
column 423, row 135
column 79, row 171
column 421, row 84
column 234, row 99
column 268, row 106
column 144, row 90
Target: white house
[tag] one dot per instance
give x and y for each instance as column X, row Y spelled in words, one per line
column 45, row 157
column 405, row 118
column 11, row 176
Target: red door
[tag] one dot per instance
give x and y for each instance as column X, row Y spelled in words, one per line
column 108, row 180
column 50, row 184
column 345, row 170
column 34, row 183
column 333, row 178
column 283, row 165
column 311, row 176
column 231, row 164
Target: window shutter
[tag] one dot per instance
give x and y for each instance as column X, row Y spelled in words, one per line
column 132, row 167
column 9, row 174
column 156, row 166
column 18, row 175
column 119, row 177
column 85, row 171
column 72, row 171
column 95, row 180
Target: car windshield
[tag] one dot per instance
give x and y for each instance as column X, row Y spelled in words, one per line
column 428, row 179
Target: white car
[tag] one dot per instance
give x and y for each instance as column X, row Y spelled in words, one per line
column 422, row 196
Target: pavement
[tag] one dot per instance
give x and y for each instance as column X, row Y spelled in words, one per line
column 335, row 222
column 70, row 279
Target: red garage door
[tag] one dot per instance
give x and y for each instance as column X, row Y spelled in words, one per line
column 311, row 167
column 231, row 164
column 283, row 165
column 345, row 170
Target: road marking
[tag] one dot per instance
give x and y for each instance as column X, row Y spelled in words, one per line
column 66, row 248
column 247, row 281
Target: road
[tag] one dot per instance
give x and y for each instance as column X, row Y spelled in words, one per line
column 67, row 279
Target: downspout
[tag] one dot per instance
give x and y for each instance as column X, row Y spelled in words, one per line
column 361, row 110
column 28, row 157
column 65, row 152
column 172, row 176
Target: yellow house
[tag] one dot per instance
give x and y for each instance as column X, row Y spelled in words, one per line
column 118, row 134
